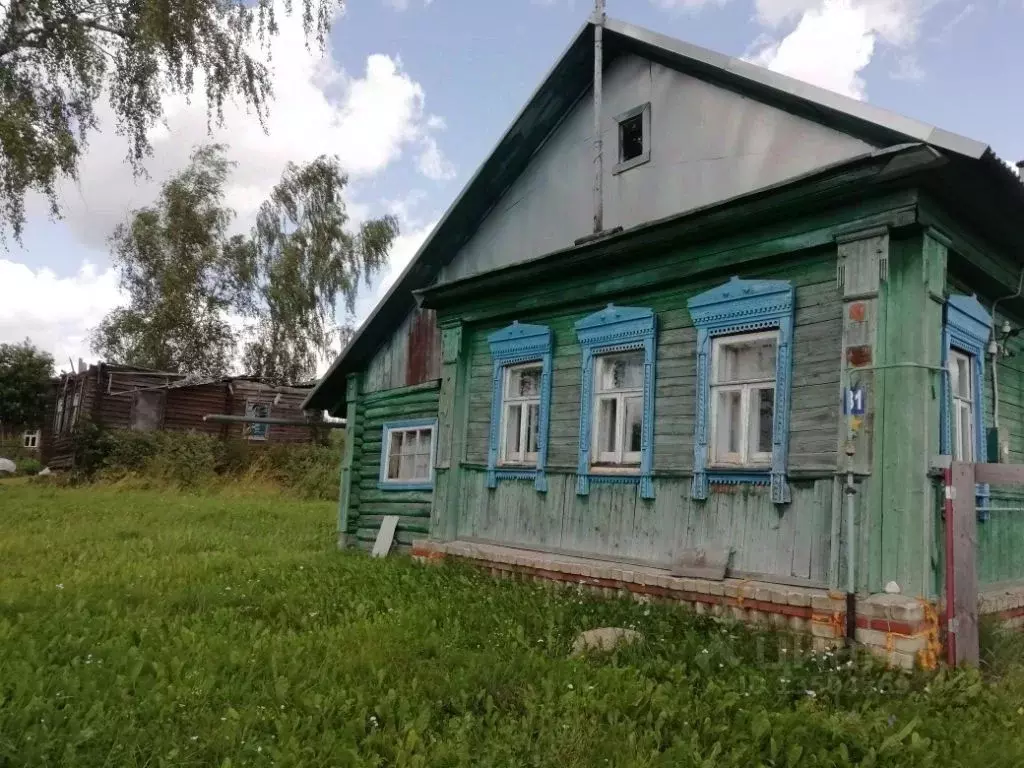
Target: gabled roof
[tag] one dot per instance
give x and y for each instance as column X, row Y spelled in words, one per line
column 568, row 80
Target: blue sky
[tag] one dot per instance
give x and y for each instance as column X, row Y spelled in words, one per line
column 415, row 93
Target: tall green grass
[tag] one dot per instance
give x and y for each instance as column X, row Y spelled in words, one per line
column 189, row 461
column 144, row 628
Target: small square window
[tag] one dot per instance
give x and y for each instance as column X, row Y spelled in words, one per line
column 30, row 440
column 634, row 137
column 408, row 455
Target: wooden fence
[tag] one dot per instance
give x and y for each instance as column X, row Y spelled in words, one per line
column 963, row 482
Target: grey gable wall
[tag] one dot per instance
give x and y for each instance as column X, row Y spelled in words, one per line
column 707, row 144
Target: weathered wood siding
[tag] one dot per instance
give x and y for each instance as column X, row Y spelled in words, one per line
column 1000, row 551
column 412, row 355
column 613, row 521
column 367, row 504
column 707, row 144
column 817, row 350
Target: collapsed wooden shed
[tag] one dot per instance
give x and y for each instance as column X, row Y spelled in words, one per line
column 128, row 397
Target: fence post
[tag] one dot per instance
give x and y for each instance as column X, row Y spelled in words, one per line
column 962, row 615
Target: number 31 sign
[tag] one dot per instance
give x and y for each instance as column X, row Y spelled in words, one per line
column 854, row 401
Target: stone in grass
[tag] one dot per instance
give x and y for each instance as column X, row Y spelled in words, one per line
column 604, row 639
column 7, row 467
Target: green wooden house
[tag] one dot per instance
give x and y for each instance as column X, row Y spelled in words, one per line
column 790, row 310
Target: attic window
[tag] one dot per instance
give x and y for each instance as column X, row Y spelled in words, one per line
column 634, row 136
column 631, row 138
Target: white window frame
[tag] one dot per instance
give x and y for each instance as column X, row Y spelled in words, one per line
column 30, row 439
column 959, row 403
column 644, row 111
column 522, row 458
column 619, row 459
column 389, row 482
column 745, row 458
column 250, row 411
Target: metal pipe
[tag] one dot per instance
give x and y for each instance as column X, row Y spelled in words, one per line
column 223, row 418
column 851, row 572
column 599, row 19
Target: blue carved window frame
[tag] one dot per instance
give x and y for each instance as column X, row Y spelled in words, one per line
column 744, row 306
column 617, row 329
column 383, row 483
column 966, row 326
column 514, row 345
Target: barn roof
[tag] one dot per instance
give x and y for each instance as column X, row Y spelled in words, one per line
column 567, row 81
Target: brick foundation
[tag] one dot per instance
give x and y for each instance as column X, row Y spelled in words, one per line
column 902, row 630
column 1006, row 603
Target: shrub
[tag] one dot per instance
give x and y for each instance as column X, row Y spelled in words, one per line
column 310, row 470
column 29, row 466
column 183, row 459
column 189, row 460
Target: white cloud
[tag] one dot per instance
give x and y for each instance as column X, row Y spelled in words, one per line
column 834, row 40
column 369, row 119
column 829, row 48
column 830, row 42
column 432, row 163
column 56, row 313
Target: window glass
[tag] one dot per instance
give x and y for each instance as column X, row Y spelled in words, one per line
column 740, row 360
column 743, row 399
column 513, row 429
column 634, row 423
column 728, row 424
column 409, row 454
column 631, row 137
column 521, row 414
column 619, row 408
column 257, row 431
column 621, row 371
column 962, row 406
column 762, row 415
column 532, row 427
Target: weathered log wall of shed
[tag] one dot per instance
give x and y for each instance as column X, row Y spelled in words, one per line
column 367, row 503
column 411, row 356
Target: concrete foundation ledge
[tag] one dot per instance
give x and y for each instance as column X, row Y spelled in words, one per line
column 902, row 630
column 1007, row 603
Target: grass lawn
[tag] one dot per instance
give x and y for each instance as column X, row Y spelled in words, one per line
column 146, row 628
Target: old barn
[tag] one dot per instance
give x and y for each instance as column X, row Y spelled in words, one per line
column 128, row 397
column 792, row 304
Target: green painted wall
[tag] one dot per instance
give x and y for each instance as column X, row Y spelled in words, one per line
column 366, row 503
column 793, row 542
column 1000, row 553
column 817, row 350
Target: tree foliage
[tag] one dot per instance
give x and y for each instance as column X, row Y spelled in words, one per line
column 25, row 373
column 183, row 274
column 199, row 295
column 58, row 58
column 305, row 258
